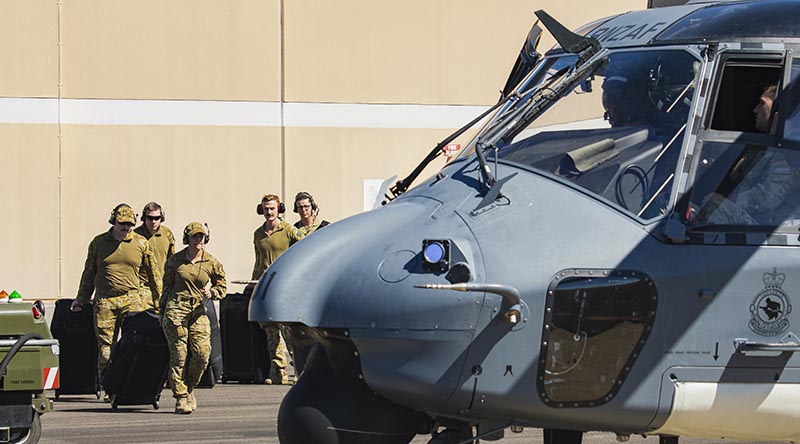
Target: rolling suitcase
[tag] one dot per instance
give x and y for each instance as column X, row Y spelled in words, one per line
column 78, row 349
column 139, row 362
column 244, row 343
column 213, row 373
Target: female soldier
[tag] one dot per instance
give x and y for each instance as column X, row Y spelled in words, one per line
column 188, row 275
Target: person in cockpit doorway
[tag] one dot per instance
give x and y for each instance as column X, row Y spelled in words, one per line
column 758, row 183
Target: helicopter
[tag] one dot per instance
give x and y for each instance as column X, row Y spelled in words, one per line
column 614, row 250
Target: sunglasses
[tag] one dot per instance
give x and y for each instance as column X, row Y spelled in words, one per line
column 126, row 224
column 153, row 217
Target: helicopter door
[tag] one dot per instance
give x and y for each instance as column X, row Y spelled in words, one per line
column 736, row 335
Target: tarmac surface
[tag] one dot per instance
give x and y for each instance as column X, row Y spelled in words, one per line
column 227, row 413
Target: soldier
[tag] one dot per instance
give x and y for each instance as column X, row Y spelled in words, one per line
column 189, row 276
column 308, row 210
column 161, row 240
column 270, row 240
column 113, row 266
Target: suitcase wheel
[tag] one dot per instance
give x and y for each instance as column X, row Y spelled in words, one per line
column 224, row 379
column 58, row 394
column 97, row 393
column 155, row 405
column 114, row 404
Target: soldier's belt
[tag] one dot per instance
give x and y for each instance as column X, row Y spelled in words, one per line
column 188, row 298
column 115, row 294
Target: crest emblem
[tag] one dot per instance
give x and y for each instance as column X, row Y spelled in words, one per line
column 771, row 306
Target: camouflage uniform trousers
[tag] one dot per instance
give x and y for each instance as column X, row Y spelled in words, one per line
column 276, row 348
column 188, row 333
column 147, row 299
column 109, row 312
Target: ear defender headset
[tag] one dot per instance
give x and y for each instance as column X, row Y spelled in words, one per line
column 186, row 234
column 305, row 195
column 113, row 217
column 153, row 206
column 267, row 198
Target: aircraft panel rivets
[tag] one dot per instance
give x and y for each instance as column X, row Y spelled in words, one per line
column 360, row 376
column 355, row 353
column 372, row 325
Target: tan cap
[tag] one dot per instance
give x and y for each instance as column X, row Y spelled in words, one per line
column 123, row 214
column 194, row 228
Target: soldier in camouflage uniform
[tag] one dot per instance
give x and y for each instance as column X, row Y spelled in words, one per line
column 161, row 240
column 189, row 276
column 270, row 240
column 113, row 266
column 307, row 208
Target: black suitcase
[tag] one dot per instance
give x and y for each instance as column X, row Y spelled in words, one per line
column 244, row 344
column 139, row 362
column 78, row 349
column 213, row 373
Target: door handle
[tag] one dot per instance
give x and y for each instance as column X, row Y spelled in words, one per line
column 744, row 346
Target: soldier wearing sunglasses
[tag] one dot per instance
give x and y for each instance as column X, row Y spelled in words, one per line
column 161, row 240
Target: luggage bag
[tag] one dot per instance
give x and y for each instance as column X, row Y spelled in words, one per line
column 213, row 372
column 139, row 362
column 244, row 343
column 74, row 331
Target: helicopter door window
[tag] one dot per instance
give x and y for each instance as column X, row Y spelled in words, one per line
column 595, row 326
column 742, row 178
column 791, row 130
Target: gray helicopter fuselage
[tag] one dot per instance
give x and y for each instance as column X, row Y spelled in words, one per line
column 633, row 316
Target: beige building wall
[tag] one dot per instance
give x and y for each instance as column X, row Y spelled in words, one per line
column 205, row 106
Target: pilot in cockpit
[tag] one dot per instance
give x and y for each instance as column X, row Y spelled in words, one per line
column 757, row 183
column 625, row 101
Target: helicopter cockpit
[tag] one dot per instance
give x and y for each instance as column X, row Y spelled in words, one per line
column 616, row 123
column 616, row 134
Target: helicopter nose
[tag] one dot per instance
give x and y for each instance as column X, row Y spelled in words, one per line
column 352, row 266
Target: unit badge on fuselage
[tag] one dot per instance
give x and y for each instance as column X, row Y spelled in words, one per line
column 771, row 306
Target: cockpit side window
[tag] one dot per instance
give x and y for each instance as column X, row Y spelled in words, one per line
column 742, row 177
column 740, row 89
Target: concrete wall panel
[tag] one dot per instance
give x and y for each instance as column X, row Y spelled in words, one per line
column 182, row 49
column 209, row 174
column 29, row 233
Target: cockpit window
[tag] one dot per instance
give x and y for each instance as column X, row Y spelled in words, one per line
column 618, row 132
column 745, row 184
column 742, row 176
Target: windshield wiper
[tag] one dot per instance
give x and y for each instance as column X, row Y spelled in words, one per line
column 590, row 56
column 402, row 185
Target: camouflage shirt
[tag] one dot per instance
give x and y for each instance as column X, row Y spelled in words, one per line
column 162, row 242
column 184, row 279
column 113, row 267
column 268, row 248
column 314, row 227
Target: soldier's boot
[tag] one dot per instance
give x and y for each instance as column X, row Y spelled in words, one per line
column 182, row 406
column 277, row 377
column 191, row 401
